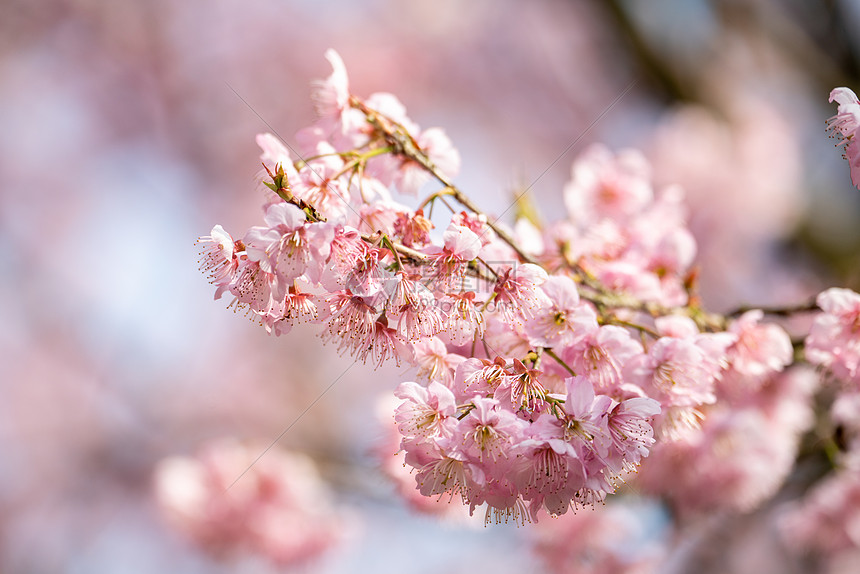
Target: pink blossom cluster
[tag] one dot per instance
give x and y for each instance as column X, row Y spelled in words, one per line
column 609, row 541
column 547, row 361
column 834, row 339
column 280, row 509
column 386, row 451
column 744, row 450
column 497, row 437
column 826, row 521
column 622, row 231
column 741, row 210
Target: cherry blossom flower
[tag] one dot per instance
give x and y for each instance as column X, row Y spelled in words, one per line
column 516, row 290
column 479, row 377
column 388, row 452
column 678, row 374
column 477, row 223
column 563, row 321
column 331, row 96
column 349, row 319
column 504, row 337
column 434, row 361
column 461, row 245
column 443, row 472
column 413, row 228
column 523, row 390
column 629, row 426
column 425, row 411
column 254, row 287
column 297, row 306
column 465, row 321
column 218, row 258
column 604, row 185
column 629, row 276
column 289, row 247
column 275, row 153
column 487, row 435
column 834, row 338
column 760, row 350
column 602, row 354
column 585, row 416
column 357, row 266
column 380, row 344
column 844, row 126
column 317, row 184
column 549, row 471
column 414, row 307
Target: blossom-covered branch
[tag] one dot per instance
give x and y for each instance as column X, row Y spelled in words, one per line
column 607, row 293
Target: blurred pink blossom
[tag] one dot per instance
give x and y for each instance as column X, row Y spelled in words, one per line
column 233, row 502
column 834, row 339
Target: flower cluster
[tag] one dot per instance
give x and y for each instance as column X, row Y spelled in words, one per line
column 497, row 437
column 547, row 360
column 612, row 541
column 834, row 339
column 280, row 509
column 743, row 452
column 828, row 520
column 825, row 523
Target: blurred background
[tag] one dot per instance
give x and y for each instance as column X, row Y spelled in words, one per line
column 127, row 131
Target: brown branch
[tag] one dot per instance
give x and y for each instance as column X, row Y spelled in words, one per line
column 417, row 256
column 784, row 311
column 404, row 144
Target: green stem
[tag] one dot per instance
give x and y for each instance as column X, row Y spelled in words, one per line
column 632, row 325
column 558, row 360
column 387, row 242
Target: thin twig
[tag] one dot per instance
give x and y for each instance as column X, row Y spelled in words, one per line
column 558, row 360
column 785, row 311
